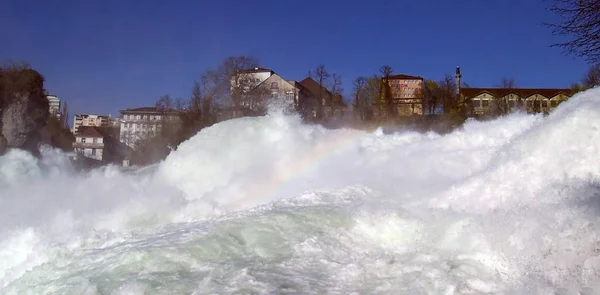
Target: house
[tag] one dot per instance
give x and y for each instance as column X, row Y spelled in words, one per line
column 248, row 79
column 315, row 101
column 99, row 144
column 485, row 101
column 274, row 89
column 140, row 122
column 91, row 120
column 406, row 93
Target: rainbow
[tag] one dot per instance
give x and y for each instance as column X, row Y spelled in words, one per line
column 334, row 144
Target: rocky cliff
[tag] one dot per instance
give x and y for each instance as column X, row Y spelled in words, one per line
column 23, row 108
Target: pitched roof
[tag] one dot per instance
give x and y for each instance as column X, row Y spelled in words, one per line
column 522, row 92
column 89, row 131
column 270, row 80
column 403, row 76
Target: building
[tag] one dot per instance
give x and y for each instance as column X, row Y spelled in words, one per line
column 91, row 120
column 54, row 105
column 486, row 101
column 248, row 79
column 99, row 144
column 406, row 93
column 140, row 122
column 312, row 95
column 274, row 89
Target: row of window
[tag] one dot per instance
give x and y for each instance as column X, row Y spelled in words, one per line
column 141, row 117
column 513, row 103
column 404, row 95
column 140, row 126
column 398, row 81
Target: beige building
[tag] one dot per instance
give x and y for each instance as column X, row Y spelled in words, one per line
column 485, row 101
column 90, row 143
column 406, row 92
column 91, row 120
column 99, row 144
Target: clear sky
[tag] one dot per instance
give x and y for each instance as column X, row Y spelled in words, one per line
column 102, row 56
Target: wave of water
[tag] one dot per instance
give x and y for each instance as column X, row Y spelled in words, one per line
column 271, row 206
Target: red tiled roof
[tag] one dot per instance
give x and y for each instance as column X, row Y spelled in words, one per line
column 522, row 92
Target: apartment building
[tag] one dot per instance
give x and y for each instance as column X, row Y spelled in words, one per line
column 54, row 105
column 406, row 92
column 140, row 122
column 91, row 120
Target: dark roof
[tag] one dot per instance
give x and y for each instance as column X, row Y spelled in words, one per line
column 95, row 131
column 522, row 92
column 89, row 131
column 255, row 70
column 403, row 76
column 145, row 110
column 312, row 88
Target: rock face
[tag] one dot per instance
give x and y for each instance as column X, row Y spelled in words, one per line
column 23, row 109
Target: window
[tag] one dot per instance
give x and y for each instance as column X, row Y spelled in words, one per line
column 83, row 140
column 93, row 152
column 274, row 85
column 290, row 96
column 476, row 103
column 485, row 103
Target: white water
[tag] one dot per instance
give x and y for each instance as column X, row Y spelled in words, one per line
column 271, row 206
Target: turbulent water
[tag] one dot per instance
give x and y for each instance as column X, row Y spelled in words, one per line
column 271, row 206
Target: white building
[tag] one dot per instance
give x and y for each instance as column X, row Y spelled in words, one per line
column 54, row 105
column 140, row 122
column 90, row 143
column 91, row 120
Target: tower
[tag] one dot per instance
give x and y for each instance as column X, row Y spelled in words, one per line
column 458, row 76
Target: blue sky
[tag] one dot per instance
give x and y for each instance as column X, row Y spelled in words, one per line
column 102, row 56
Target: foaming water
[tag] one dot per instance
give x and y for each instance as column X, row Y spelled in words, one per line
column 270, row 205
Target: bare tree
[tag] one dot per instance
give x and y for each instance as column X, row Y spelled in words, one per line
column 502, row 105
column 591, row 78
column 580, row 21
column 447, row 95
column 430, row 96
column 359, row 105
column 336, row 88
column 321, row 75
column 386, row 91
column 227, row 83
